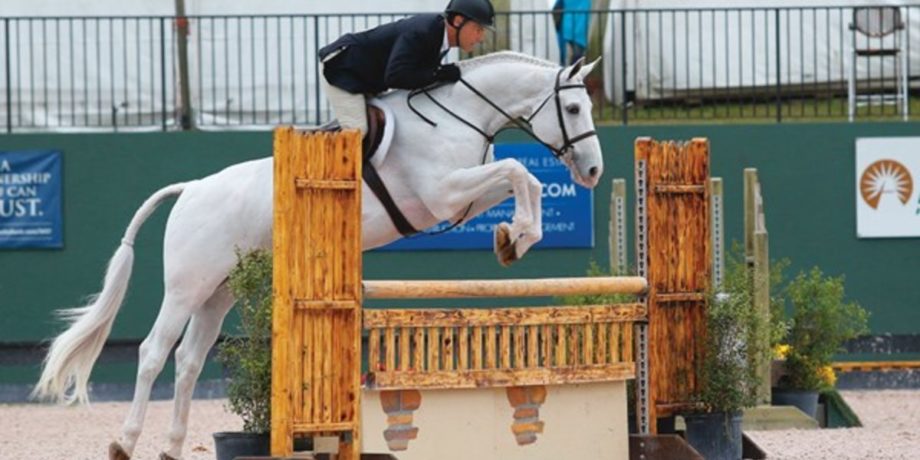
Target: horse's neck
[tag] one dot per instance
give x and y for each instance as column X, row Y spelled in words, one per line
column 518, row 88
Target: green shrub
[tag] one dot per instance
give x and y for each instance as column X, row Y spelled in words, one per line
column 821, row 322
column 735, row 342
column 247, row 357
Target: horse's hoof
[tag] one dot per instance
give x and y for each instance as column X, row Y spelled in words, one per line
column 504, row 248
column 164, row 456
column 117, row 453
column 508, row 255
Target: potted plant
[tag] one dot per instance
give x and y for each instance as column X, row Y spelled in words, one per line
column 821, row 321
column 728, row 369
column 247, row 359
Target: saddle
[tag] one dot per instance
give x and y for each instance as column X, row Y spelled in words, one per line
column 376, row 124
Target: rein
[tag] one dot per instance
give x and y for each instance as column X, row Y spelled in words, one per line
column 519, row 122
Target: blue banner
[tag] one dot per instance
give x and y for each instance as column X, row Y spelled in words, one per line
column 568, row 217
column 30, row 200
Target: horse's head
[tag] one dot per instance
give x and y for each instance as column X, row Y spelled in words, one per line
column 564, row 122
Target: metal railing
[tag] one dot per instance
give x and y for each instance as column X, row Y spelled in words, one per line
column 87, row 73
column 230, row 72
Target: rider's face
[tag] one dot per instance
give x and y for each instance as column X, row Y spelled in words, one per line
column 471, row 34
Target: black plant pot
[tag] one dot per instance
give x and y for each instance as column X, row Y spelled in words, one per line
column 231, row 444
column 805, row 400
column 716, row 436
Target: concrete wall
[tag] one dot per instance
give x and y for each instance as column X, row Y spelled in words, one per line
column 585, row 421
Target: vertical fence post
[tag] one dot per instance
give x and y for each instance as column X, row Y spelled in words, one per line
column 9, row 71
column 717, row 223
column 163, row 71
column 757, row 260
column 905, row 69
column 750, row 176
column 779, row 61
column 185, row 98
column 9, row 88
column 316, row 74
column 618, row 228
column 907, row 33
column 625, row 107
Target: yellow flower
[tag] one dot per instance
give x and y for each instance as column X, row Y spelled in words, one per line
column 780, row 351
column 828, row 376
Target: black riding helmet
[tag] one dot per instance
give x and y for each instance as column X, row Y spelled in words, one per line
column 480, row 11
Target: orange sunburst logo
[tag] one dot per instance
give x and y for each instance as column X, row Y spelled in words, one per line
column 885, row 177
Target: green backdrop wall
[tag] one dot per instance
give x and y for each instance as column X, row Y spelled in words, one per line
column 807, row 172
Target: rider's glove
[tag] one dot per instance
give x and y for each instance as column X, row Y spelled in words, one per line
column 447, row 72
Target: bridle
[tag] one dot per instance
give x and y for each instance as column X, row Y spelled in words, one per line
column 567, row 142
column 519, row 122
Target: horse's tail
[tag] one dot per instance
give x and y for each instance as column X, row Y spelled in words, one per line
column 72, row 354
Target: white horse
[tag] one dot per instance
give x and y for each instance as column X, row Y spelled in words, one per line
column 434, row 173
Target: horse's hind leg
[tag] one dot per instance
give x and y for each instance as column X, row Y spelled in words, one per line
column 200, row 336
column 154, row 350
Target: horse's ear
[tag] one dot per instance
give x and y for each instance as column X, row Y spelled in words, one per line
column 576, row 67
column 587, row 68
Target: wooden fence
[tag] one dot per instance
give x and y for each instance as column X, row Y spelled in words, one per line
column 318, row 318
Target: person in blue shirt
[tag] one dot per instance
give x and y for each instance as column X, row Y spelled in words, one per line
column 571, row 28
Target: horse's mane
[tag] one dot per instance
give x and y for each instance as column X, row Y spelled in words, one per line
column 498, row 57
column 504, row 56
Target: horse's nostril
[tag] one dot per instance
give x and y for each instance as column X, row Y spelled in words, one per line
column 593, row 171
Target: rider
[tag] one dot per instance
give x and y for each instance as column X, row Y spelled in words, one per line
column 406, row 54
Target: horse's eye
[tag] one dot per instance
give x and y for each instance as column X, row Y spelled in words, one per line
column 572, row 109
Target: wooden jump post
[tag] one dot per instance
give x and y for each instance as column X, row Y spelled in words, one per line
column 757, row 258
column 673, row 253
column 316, row 321
column 318, row 317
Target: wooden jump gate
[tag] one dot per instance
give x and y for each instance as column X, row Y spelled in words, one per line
column 319, row 322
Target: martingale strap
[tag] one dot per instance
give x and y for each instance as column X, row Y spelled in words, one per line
column 375, row 183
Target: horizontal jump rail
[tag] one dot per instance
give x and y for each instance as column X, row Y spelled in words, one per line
column 538, row 287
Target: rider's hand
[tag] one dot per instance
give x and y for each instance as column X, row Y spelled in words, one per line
column 447, row 72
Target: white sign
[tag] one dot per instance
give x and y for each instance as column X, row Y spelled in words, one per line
column 888, row 187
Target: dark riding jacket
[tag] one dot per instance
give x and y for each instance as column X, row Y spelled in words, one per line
column 404, row 54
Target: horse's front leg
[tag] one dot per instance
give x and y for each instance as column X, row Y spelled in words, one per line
column 486, row 186
column 533, row 233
